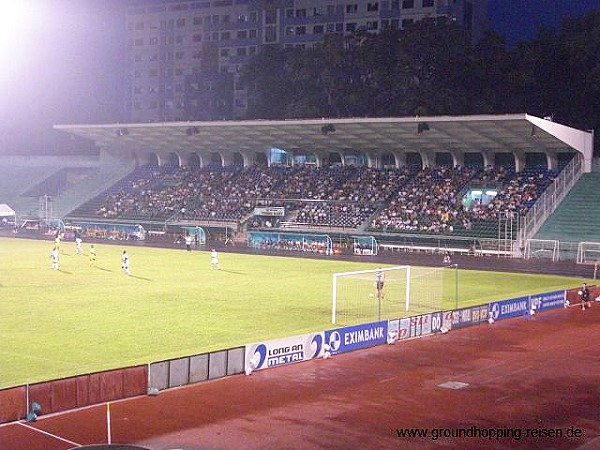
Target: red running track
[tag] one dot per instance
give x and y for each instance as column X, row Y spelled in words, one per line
column 529, row 384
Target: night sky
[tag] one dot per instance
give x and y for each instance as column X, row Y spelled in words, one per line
column 517, row 20
column 66, row 65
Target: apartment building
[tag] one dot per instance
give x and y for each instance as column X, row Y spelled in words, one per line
column 184, row 57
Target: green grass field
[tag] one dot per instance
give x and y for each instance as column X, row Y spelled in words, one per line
column 82, row 318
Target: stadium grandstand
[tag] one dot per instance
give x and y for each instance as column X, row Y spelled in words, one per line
column 469, row 184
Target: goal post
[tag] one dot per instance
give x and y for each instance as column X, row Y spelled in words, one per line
column 365, row 245
column 356, row 297
column 588, row 253
column 542, row 248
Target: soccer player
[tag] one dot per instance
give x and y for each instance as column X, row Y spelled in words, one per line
column 78, row 247
column 57, row 242
column 54, row 259
column 188, row 242
column 584, row 294
column 379, row 283
column 214, row 259
column 92, row 255
column 125, row 262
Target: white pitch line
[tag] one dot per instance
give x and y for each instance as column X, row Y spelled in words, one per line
column 50, row 434
column 495, row 377
column 386, row 380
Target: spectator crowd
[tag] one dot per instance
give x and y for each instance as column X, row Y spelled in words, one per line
column 428, row 200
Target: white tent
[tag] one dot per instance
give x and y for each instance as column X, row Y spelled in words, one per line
column 7, row 214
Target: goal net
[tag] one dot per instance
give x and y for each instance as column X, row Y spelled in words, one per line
column 406, row 291
column 542, row 248
column 588, row 253
column 365, row 245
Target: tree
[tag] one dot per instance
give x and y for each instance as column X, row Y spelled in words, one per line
column 495, row 77
column 558, row 73
column 264, row 78
column 431, row 68
column 580, row 58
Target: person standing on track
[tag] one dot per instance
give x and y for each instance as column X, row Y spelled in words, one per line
column 584, row 295
column 447, row 259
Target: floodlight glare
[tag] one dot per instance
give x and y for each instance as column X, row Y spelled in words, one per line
column 14, row 21
column 19, row 24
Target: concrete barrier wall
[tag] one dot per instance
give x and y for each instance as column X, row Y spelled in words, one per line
column 13, row 404
column 194, row 369
column 235, row 360
column 84, row 390
column 198, row 368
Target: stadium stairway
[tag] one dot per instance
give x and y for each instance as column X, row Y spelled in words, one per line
column 23, row 185
column 366, row 225
column 15, row 181
column 577, row 218
column 80, row 193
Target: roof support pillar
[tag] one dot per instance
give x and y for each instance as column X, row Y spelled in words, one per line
column 400, row 157
column 246, row 157
column 519, row 161
column 373, row 160
column 319, row 158
column 227, row 159
column 428, row 158
column 488, row 158
column 552, row 161
column 458, row 158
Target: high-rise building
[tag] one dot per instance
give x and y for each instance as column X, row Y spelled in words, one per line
column 185, row 56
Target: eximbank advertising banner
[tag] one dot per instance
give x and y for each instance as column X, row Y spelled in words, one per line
column 279, row 352
column 359, row 336
column 509, row 308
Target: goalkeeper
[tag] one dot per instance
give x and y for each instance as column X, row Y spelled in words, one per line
column 379, row 283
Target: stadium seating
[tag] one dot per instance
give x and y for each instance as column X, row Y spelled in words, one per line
column 426, row 201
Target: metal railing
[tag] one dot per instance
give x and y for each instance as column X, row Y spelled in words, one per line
column 547, row 203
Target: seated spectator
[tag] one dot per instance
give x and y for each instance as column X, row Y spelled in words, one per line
column 428, row 200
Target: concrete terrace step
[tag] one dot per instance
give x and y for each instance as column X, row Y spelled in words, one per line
column 576, row 217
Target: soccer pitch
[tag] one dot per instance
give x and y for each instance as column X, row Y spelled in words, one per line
column 84, row 318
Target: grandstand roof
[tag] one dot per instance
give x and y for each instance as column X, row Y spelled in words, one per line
column 493, row 133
